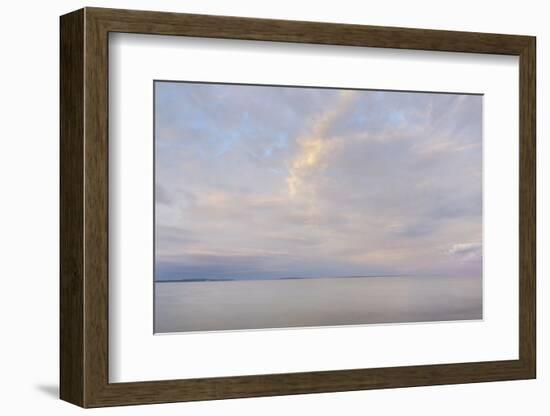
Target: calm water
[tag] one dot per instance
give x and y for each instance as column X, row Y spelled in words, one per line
column 209, row 306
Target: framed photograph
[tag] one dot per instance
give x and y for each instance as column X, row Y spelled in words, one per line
column 254, row 207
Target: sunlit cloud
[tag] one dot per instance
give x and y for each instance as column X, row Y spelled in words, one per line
column 315, row 146
column 263, row 182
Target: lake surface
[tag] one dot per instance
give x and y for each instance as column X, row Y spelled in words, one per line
column 255, row 304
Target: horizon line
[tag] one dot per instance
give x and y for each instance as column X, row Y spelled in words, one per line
column 214, row 279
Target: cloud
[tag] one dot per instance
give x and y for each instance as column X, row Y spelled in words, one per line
column 316, row 146
column 162, row 196
column 274, row 181
column 466, row 251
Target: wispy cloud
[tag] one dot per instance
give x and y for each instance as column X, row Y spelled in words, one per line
column 272, row 181
column 316, row 145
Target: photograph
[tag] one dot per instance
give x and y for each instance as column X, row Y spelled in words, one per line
column 323, row 213
column 293, row 206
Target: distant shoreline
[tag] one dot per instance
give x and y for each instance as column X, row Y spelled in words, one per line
column 198, row 280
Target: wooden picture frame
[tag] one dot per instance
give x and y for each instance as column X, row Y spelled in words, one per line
column 84, row 207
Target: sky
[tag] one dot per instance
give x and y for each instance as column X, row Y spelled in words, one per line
column 263, row 182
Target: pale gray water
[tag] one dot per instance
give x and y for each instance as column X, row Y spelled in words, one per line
column 254, row 304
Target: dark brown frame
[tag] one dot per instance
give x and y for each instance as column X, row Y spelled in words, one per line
column 84, row 211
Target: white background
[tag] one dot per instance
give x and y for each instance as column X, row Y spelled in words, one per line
column 29, row 209
column 136, row 355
